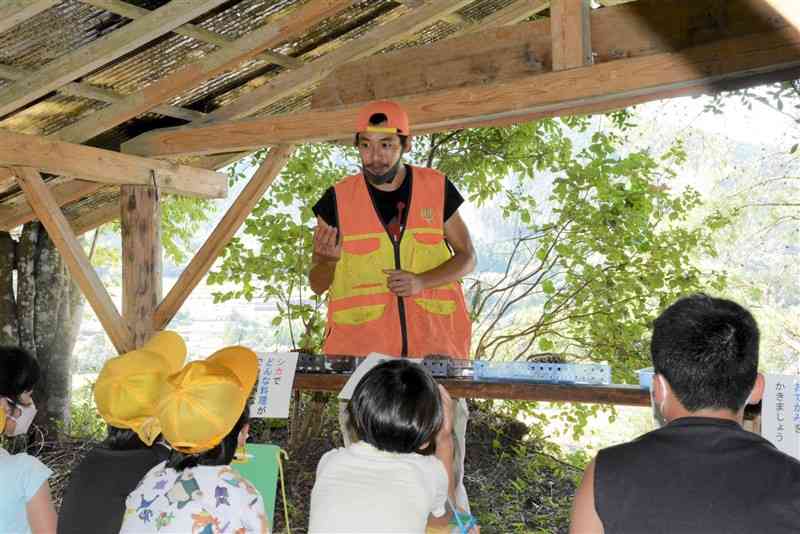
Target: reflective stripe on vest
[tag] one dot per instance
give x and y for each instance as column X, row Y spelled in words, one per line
column 363, row 315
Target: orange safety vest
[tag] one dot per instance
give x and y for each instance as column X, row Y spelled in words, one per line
column 363, row 315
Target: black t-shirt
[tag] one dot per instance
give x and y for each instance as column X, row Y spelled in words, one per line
column 387, row 202
column 95, row 498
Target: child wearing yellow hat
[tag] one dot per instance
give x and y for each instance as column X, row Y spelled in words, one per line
column 25, row 504
column 203, row 415
column 127, row 392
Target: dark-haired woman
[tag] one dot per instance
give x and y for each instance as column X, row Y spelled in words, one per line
column 203, row 416
column 25, row 503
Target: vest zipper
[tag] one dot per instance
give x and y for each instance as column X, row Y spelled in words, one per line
column 401, row 305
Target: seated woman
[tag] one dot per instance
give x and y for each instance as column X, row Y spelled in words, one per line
column 397, row 475
column 126, row 393
column 25, row 504
column 203, row 415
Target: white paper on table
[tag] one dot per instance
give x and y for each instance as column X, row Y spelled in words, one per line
column 778, row 413
column 373, row 359
column 276, row 372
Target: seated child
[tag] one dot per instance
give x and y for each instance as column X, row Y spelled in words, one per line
column 397, row 476
column 25, row 504
column 203, row 416
column 126, row 394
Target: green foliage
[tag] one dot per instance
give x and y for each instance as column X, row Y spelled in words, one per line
column 271, row 260
column 85, row 422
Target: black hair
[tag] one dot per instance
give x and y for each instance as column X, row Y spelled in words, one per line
column 707, row 349
column 123, row 439
column 222, row 454
column 19, row 371
column 396, row 407
column 379, row 118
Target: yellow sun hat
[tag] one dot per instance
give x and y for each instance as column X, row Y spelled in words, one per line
column 202, row 403
column 129, row 386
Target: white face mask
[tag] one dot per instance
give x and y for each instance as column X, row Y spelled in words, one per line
column 24, row 419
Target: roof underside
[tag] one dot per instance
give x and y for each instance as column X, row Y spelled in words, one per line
column 70, row 25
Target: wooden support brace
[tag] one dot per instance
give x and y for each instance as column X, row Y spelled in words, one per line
column 48, row 212
column 569, row 26
column 222, row 234
column 106, row 166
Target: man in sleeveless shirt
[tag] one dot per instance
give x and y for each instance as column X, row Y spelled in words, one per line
column 390, row 248
column 700, row 472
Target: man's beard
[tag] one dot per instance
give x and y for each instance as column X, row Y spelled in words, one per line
column 381, row 179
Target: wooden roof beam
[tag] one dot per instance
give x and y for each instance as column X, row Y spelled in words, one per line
column 49, row 213
column 193, row 74
column 85, row 90
column 204, row 258
column 377, row 39
column 14, row 12
column 526, row 48
column 190, row 30
column 94, row 55
column 603, row 86
column 108, row 167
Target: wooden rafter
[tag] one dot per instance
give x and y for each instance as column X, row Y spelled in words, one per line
column 101, row 52
column 570, row 29
column 108, row 167
column 603, row 86
column 15, row 12
column 311, row 73
column 16, row 211
column 191, row 75
column 190, row 30
column 74, row 256
column 85, row 90
column 204, row 258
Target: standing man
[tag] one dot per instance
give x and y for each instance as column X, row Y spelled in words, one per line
column 390, row 248
column 701, row 473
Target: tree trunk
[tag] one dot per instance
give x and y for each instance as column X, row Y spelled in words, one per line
column 43, row 316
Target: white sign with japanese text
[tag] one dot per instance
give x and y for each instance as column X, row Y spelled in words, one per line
column 274, row 386
column 780, row 412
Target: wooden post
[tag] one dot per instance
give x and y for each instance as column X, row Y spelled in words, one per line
column 569, row 28
column 141, row 258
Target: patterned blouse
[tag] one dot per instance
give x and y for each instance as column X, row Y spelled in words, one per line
column 197, row 500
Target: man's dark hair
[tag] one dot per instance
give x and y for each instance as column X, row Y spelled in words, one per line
column 19, row 371
column 707, row 349
column 397, row 408
column 222, row 454
column 379, row 118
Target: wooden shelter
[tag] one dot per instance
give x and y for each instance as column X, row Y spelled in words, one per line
column 107, row 104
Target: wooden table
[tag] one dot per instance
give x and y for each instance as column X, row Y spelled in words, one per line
column 619, row 394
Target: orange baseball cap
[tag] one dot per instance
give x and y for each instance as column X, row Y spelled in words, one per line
column 201, row 404
column 396, row 118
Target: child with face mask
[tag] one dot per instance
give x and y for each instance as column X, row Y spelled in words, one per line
column 25, row 503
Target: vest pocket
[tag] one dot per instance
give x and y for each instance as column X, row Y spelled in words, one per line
column 437, row 306
column 359, row 314
column 360, row 247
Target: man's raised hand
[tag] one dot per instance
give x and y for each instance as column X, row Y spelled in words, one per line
column 327, row 248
